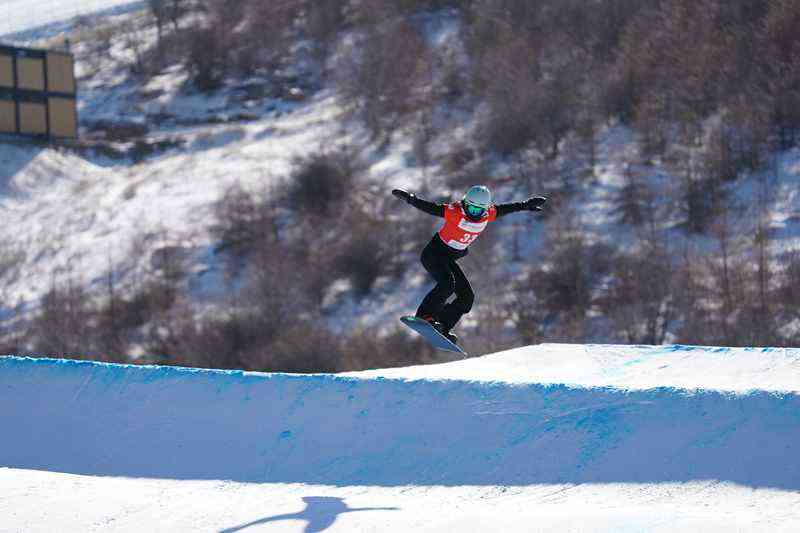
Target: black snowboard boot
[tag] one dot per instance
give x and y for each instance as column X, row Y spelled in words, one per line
column 452, row 337
column 438, row 326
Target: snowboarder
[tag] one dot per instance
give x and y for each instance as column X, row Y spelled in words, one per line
column 463, row 223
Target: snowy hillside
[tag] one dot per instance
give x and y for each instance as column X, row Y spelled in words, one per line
column 81, row 217
column 684, row 446
column 26, row 19
column 70, row 212
column 76, row 215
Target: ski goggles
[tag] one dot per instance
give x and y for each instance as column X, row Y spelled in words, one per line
column 474, row 211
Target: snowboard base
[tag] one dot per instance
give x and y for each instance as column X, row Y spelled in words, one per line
column 434, row 338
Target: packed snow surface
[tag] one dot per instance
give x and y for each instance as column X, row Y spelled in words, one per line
column 631, row 367
column 549, row 437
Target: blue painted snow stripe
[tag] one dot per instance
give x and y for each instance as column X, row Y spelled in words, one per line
column 168, row 422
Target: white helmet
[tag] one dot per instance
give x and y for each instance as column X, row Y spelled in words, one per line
column 477, row 201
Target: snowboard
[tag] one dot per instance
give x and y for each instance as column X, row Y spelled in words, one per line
column 434, row 338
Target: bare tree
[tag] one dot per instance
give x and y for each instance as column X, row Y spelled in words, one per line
column 135, row 40
column 63, row 325
column 112, row 323
column 160, row 11
column 727, row 276
column 176, row 9
column 693, row 299
column 383, row 75
column 323, row 21
column 635, row 200
column 776, row 38
column 565, row 286
column 640, row 298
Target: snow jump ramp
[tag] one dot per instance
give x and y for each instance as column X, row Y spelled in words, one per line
column 448, row 425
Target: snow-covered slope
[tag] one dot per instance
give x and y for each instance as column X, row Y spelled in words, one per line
column 78, row 215
column 27, row 19
column 630, row 367
column 72, row 216
column 470, row 424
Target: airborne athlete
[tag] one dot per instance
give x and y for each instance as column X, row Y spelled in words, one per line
column 464, row 221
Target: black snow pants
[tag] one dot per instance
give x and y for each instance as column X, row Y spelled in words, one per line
column 440, row 261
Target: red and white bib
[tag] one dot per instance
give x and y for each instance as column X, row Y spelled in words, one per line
column 458, row 231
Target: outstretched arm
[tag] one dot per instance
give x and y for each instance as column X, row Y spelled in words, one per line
column 431, row 208
column 534, row 203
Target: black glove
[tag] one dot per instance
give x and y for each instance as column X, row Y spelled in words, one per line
column 535, row 203
column 403, row 195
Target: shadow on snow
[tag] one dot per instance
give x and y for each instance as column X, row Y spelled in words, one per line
column 320, row 513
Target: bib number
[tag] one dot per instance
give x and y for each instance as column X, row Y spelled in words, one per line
column 469, row 238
